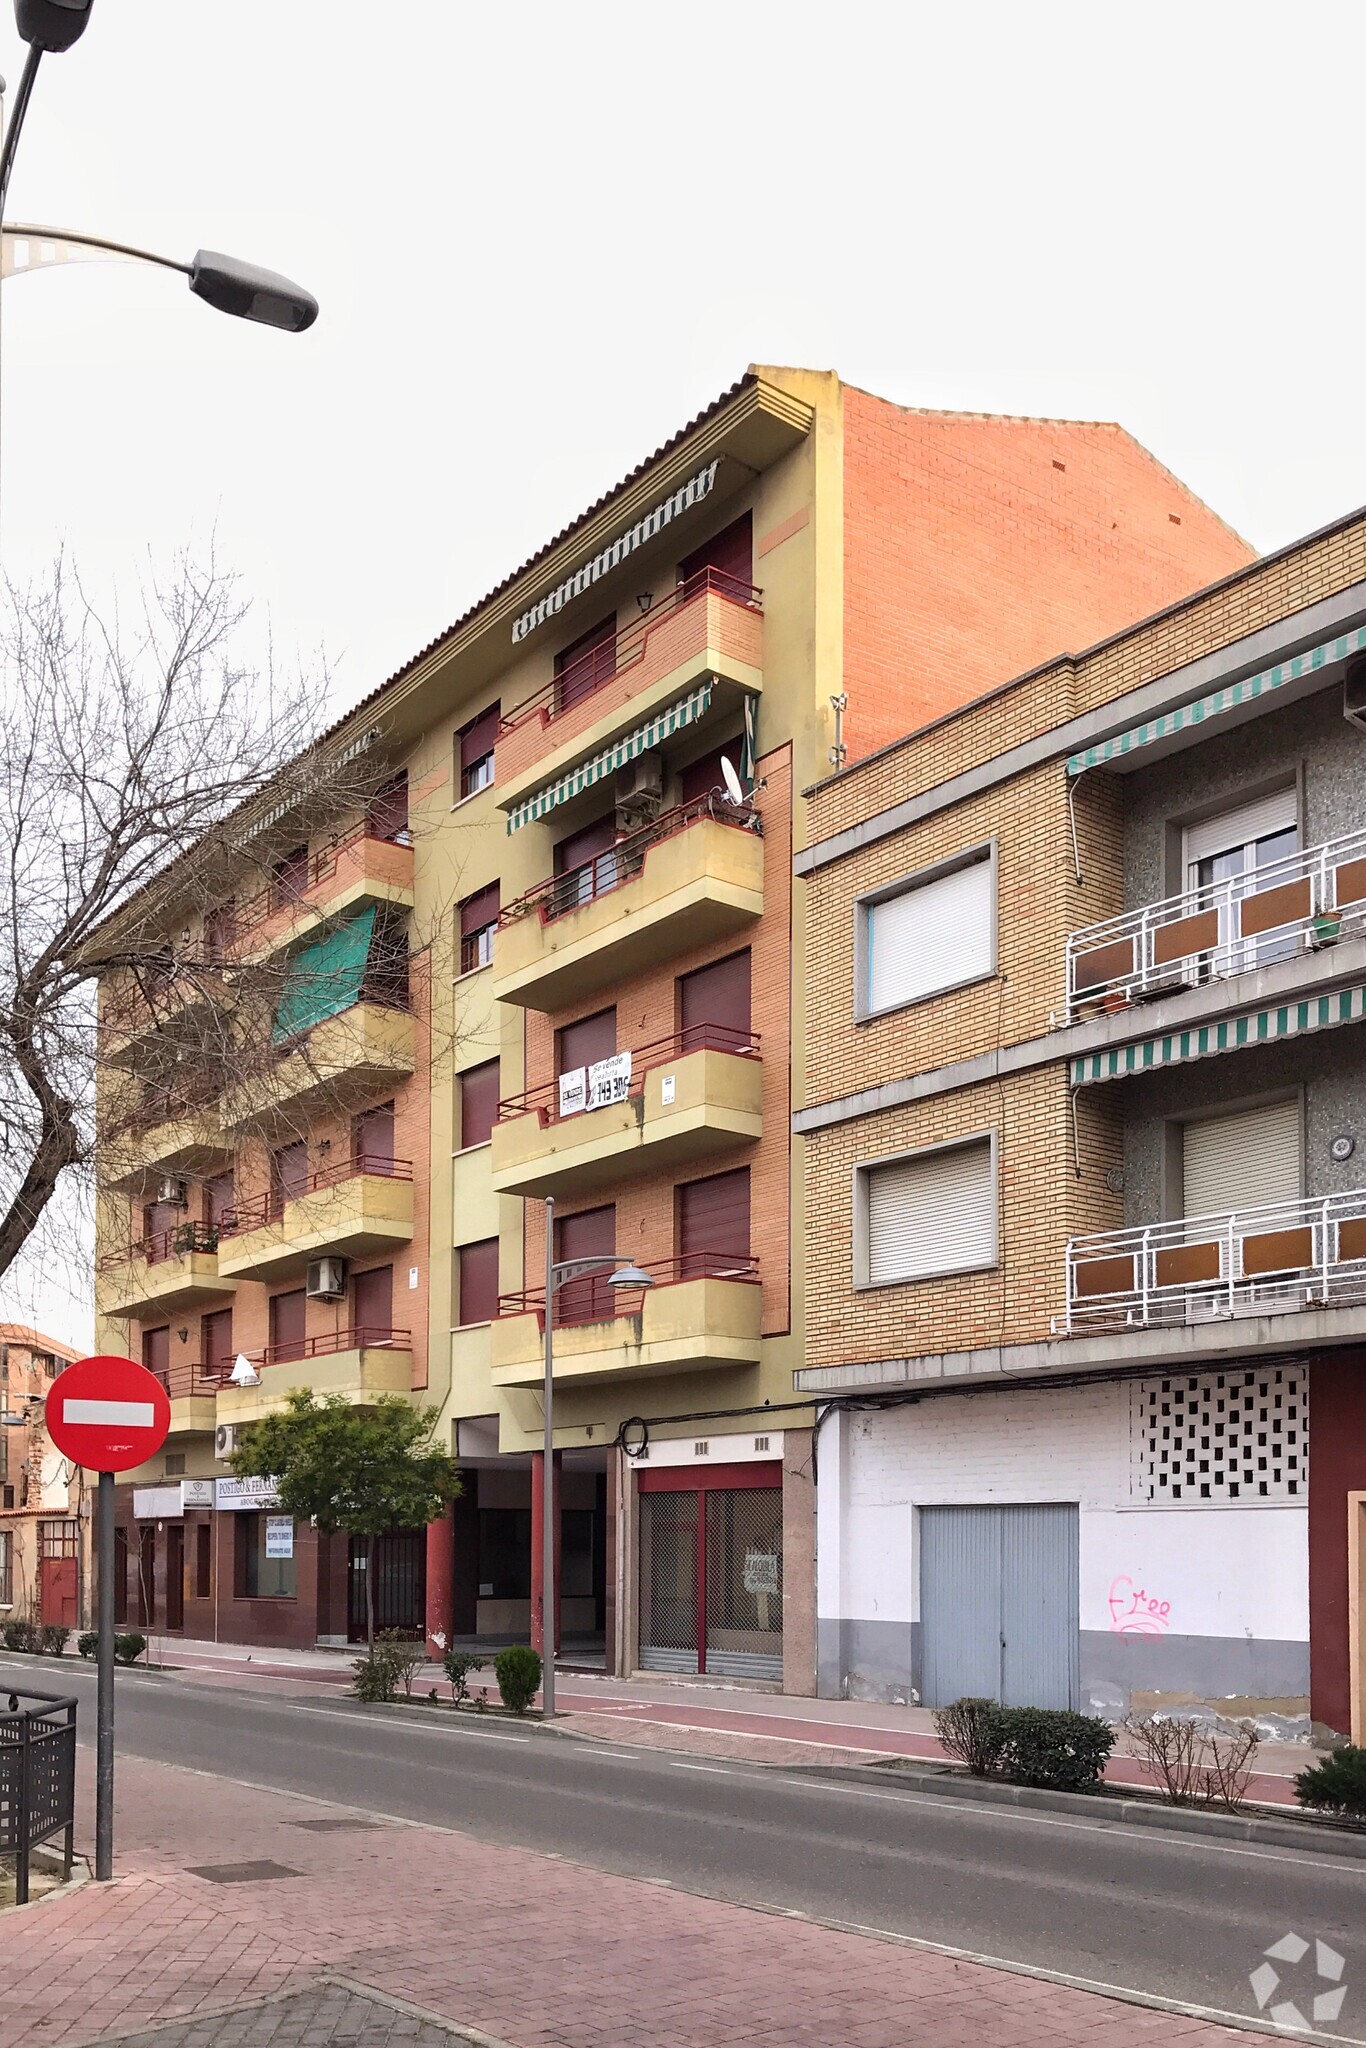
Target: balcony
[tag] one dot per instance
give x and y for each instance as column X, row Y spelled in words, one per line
column 336, row 1065
column 704, row 1310
column 193, row 1392
column 354, row 868
column 712, row 625
column 357, row 1363
column 358, row 1206
column 1281, row 1258
column 1303, row 903
column 693, row 876
column 163, row 1274
column 658, row 1105
column 175, row 1134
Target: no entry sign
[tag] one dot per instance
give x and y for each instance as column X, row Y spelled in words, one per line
column 108, row 1414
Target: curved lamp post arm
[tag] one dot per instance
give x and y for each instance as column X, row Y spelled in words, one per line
column 225, row 282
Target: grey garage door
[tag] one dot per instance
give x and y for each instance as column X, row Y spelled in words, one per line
column 998, row 1605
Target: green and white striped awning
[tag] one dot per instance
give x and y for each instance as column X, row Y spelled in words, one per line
column 1218, row 702
column 672, row 719
column 1257, row 1027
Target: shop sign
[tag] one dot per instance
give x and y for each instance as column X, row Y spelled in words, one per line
column 245, row 1493
column 761, row 1571
column 279, row 1535
column 156, row 1504
column 196, row 1493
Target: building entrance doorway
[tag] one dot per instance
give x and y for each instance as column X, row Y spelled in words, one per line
column 398, row 1562
column 711, row 1570
column 59, row 1573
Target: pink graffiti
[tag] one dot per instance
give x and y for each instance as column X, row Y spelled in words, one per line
column 1134, row 1613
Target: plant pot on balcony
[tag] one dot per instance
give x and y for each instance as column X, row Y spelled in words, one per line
column 1114, row 999
column 1326, row 928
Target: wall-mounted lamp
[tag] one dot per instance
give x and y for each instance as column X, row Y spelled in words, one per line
column 644, row 600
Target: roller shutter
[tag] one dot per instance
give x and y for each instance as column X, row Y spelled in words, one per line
column 933, row 1213
column 1242, row 1161
column 931, row 937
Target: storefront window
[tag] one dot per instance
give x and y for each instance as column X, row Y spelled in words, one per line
column 265, row 1557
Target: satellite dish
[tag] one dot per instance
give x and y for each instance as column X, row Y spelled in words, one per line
column 244, row 1373
column 731, row 780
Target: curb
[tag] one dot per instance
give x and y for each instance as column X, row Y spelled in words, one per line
column 1332, row 1838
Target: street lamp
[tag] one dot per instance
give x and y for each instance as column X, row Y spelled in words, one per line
column 557, row 1272
column 226, row 282
column 44, row 25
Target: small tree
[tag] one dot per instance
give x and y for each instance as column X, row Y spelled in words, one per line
column 361, row 1470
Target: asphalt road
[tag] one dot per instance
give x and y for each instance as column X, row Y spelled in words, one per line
column 1173, row 1916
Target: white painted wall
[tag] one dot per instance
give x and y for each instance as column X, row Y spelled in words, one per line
column 1221, row 1570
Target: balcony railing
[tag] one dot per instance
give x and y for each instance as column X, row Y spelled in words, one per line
column 547, row 1099
column 175, row 1243
column 359, row 1337
column 599, row 665
column 558, row 895
column 592, row 1300
column 269, row 1207
column 185, row 1378
column 1206, row 934
column 1281, row 1256
column 236, row 922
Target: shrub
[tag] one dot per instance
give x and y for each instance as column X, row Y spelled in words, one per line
column 518, row 1672
column 55, row 1639
column 20, row 1635
column 1194, row 1765
column 1051, row 1747
column 459, row 1664
column 129, row 1647
column 377, row 1674
column 408, row 1658
column 1337, row 1785
column 88, row 1642
column 971, row 1730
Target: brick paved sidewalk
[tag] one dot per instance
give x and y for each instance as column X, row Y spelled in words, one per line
column 527, row 1949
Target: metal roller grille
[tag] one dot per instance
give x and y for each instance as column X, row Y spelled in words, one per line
column 668, row 1581
column 745, row 1582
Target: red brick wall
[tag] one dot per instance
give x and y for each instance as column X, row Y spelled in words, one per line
column 1337, row 1467
column 977, row 547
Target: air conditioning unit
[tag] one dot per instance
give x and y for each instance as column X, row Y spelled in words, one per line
column 326, row 1279
column 1354, row 695
column 225, row 1440
column 173, row 1193
column 639, row 791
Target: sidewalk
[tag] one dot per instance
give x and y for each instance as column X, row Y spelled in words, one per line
column 228, row 1894
column 708, row 1719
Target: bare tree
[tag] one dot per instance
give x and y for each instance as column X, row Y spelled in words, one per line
column 152, row 787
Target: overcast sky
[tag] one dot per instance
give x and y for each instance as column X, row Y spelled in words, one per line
column 542, row 237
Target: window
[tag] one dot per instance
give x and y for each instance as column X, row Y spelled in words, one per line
column 478, row 916
column 1224, row 860
column 387, row 817
column 478, row 1104
column 372, row 1306
column 220, row 930
column 925, row 935
column 505, row 1553
column 586, row 664
column 175, row 1464
column 288, row 1175
column 218, row 1199
column 729, row 555
column 592, row 1234
column 474, row 755
column 929, row 1212
column 385, row 979
column 712, row 1223
column 713, row 1005
column 478, row 1281
column 288, row 1317
column 6, row 1569
column 1241, row 1161
column 215, row 1344
column 288, row 877
column 261, row 1573
column 156, row 1352
column 372, row 1139
column 704, row 777
column 587, row 863
column 580, row 1045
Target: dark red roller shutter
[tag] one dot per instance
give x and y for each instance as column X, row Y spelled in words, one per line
column 479, row 1281
column 372, row 1305
column 591, row 1038
column 479, row 910
column 590, row 1234
column 704, row 777
column 218, row 1197
column 478, row 739
column 387, row 817
column 156, row 1351
column 586, row 664
column 478, row 1103
column 713, row 1222
column 215, row 1342
column 288, row 1173
column 578, row 848
column 716, row 997
column 730, row 557
column 372, row 1139
column 288, row 1313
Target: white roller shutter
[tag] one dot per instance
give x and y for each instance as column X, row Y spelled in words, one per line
column 935, row 1213
column 1241, row 1161
column 932, row 936
column 1275, row 813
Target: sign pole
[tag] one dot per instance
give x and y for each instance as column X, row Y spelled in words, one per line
column 104, row 1711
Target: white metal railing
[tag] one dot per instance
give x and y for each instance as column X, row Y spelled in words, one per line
column 1281, row 1256
column 1306, row 899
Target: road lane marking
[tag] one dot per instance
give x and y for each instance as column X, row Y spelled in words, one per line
column 718, row 1770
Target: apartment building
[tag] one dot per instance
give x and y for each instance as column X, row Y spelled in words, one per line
column 1086, row 1209
column 605, row 1024
column 44, row 1542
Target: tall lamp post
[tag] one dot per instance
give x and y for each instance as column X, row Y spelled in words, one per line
column 557, row 1273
